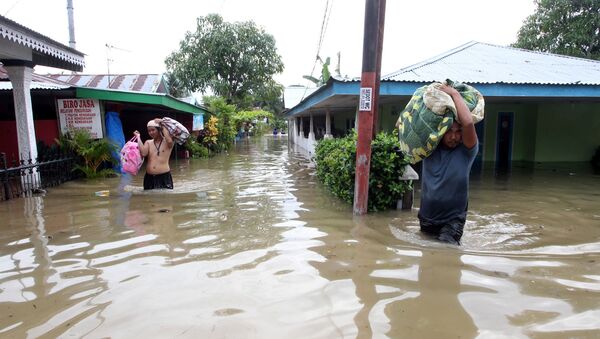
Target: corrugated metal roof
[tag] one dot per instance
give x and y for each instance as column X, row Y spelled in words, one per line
column 148, row 83
column 477, row 62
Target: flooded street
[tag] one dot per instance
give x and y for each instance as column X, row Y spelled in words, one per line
column 249, row 245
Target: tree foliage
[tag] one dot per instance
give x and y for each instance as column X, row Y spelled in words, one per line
column 234, row 60
column 569, row 27
column 251, row 117
column 325, row 73
column 176, row 88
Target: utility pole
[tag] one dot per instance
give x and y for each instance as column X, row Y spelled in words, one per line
column 368, row 99
column 71, row 23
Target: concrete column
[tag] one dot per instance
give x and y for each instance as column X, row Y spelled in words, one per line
column 311, row 132
column 292, row 135
column 301, row 131
column 328, row 125
column 20, row 77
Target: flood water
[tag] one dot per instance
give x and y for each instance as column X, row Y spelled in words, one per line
column 249, row 245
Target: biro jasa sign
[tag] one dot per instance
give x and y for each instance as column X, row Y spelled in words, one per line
column 80, row 114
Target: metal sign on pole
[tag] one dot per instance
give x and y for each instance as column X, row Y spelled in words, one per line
column 368, row 99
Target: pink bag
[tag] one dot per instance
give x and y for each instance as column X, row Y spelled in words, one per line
column 131, row 159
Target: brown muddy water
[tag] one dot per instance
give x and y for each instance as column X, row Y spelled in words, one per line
column 249, row 245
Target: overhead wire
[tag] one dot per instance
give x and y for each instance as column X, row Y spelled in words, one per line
column 324, row 24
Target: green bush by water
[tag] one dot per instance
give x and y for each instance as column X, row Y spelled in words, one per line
column 196, row 149
column 91, row 153
column 335, row 162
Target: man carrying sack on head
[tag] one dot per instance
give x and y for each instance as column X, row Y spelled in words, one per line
column 158, row 151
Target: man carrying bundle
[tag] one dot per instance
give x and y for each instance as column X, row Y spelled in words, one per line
column 158, row 151
column 445, row 176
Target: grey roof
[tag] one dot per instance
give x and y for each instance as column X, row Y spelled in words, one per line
column 483, row 63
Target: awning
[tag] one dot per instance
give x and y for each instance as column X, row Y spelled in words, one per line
column 21, row 43
column 140, row 98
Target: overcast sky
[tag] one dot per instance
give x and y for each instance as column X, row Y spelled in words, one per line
column 145, row 32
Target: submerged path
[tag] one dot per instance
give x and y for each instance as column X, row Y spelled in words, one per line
column 249, row 245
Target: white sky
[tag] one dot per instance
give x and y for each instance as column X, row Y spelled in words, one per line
column 151, row 29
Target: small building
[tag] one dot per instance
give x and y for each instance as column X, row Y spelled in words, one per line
column 53, row 108
column 541, row 108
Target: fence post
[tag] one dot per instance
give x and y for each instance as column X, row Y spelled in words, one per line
column 5, row 183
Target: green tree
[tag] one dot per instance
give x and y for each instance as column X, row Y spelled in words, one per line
column 233, row 60
column 325, row 73
column 255, row 118
column 176, row 88
column 568, row 27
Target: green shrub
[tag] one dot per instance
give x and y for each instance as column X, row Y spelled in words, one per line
column 335, row 162
column 91, row 153
column 196, row 149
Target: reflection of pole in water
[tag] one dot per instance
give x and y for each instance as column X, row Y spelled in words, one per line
column 435, row 311
column 47, row 298
column 411, row 294
column 34, row 207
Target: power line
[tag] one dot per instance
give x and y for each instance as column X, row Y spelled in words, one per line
column 109, row 49
column 324, row 24
column 11, row 7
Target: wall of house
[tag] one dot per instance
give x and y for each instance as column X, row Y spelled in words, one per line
column 490, row 123
column 388, row 115
column 523, row 134
column 340, row 122
column 45, row 130
column 567, row 132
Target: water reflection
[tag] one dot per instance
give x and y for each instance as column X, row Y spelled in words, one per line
column 42, row 277
column 248, row 244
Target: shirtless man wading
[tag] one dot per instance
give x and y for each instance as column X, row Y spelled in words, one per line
column 158, row 150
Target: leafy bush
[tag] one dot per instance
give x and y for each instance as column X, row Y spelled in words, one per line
column 224, row 112
column 335, row 162
column 196, row 150
column 91, row 153
column 209, row 136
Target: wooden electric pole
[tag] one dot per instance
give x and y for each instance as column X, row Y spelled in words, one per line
column 368, row 99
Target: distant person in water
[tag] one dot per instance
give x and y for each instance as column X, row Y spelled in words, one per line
column 158, row 151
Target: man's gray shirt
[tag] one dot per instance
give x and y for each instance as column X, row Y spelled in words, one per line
column 445, row 184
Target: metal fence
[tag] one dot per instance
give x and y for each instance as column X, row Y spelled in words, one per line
column 24, row 178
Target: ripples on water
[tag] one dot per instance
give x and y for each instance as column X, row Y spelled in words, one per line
column 249, row 245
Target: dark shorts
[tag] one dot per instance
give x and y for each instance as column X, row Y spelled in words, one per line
column 153, row 181
column 450, row 232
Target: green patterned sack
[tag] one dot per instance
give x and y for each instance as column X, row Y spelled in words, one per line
column 429, row 114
